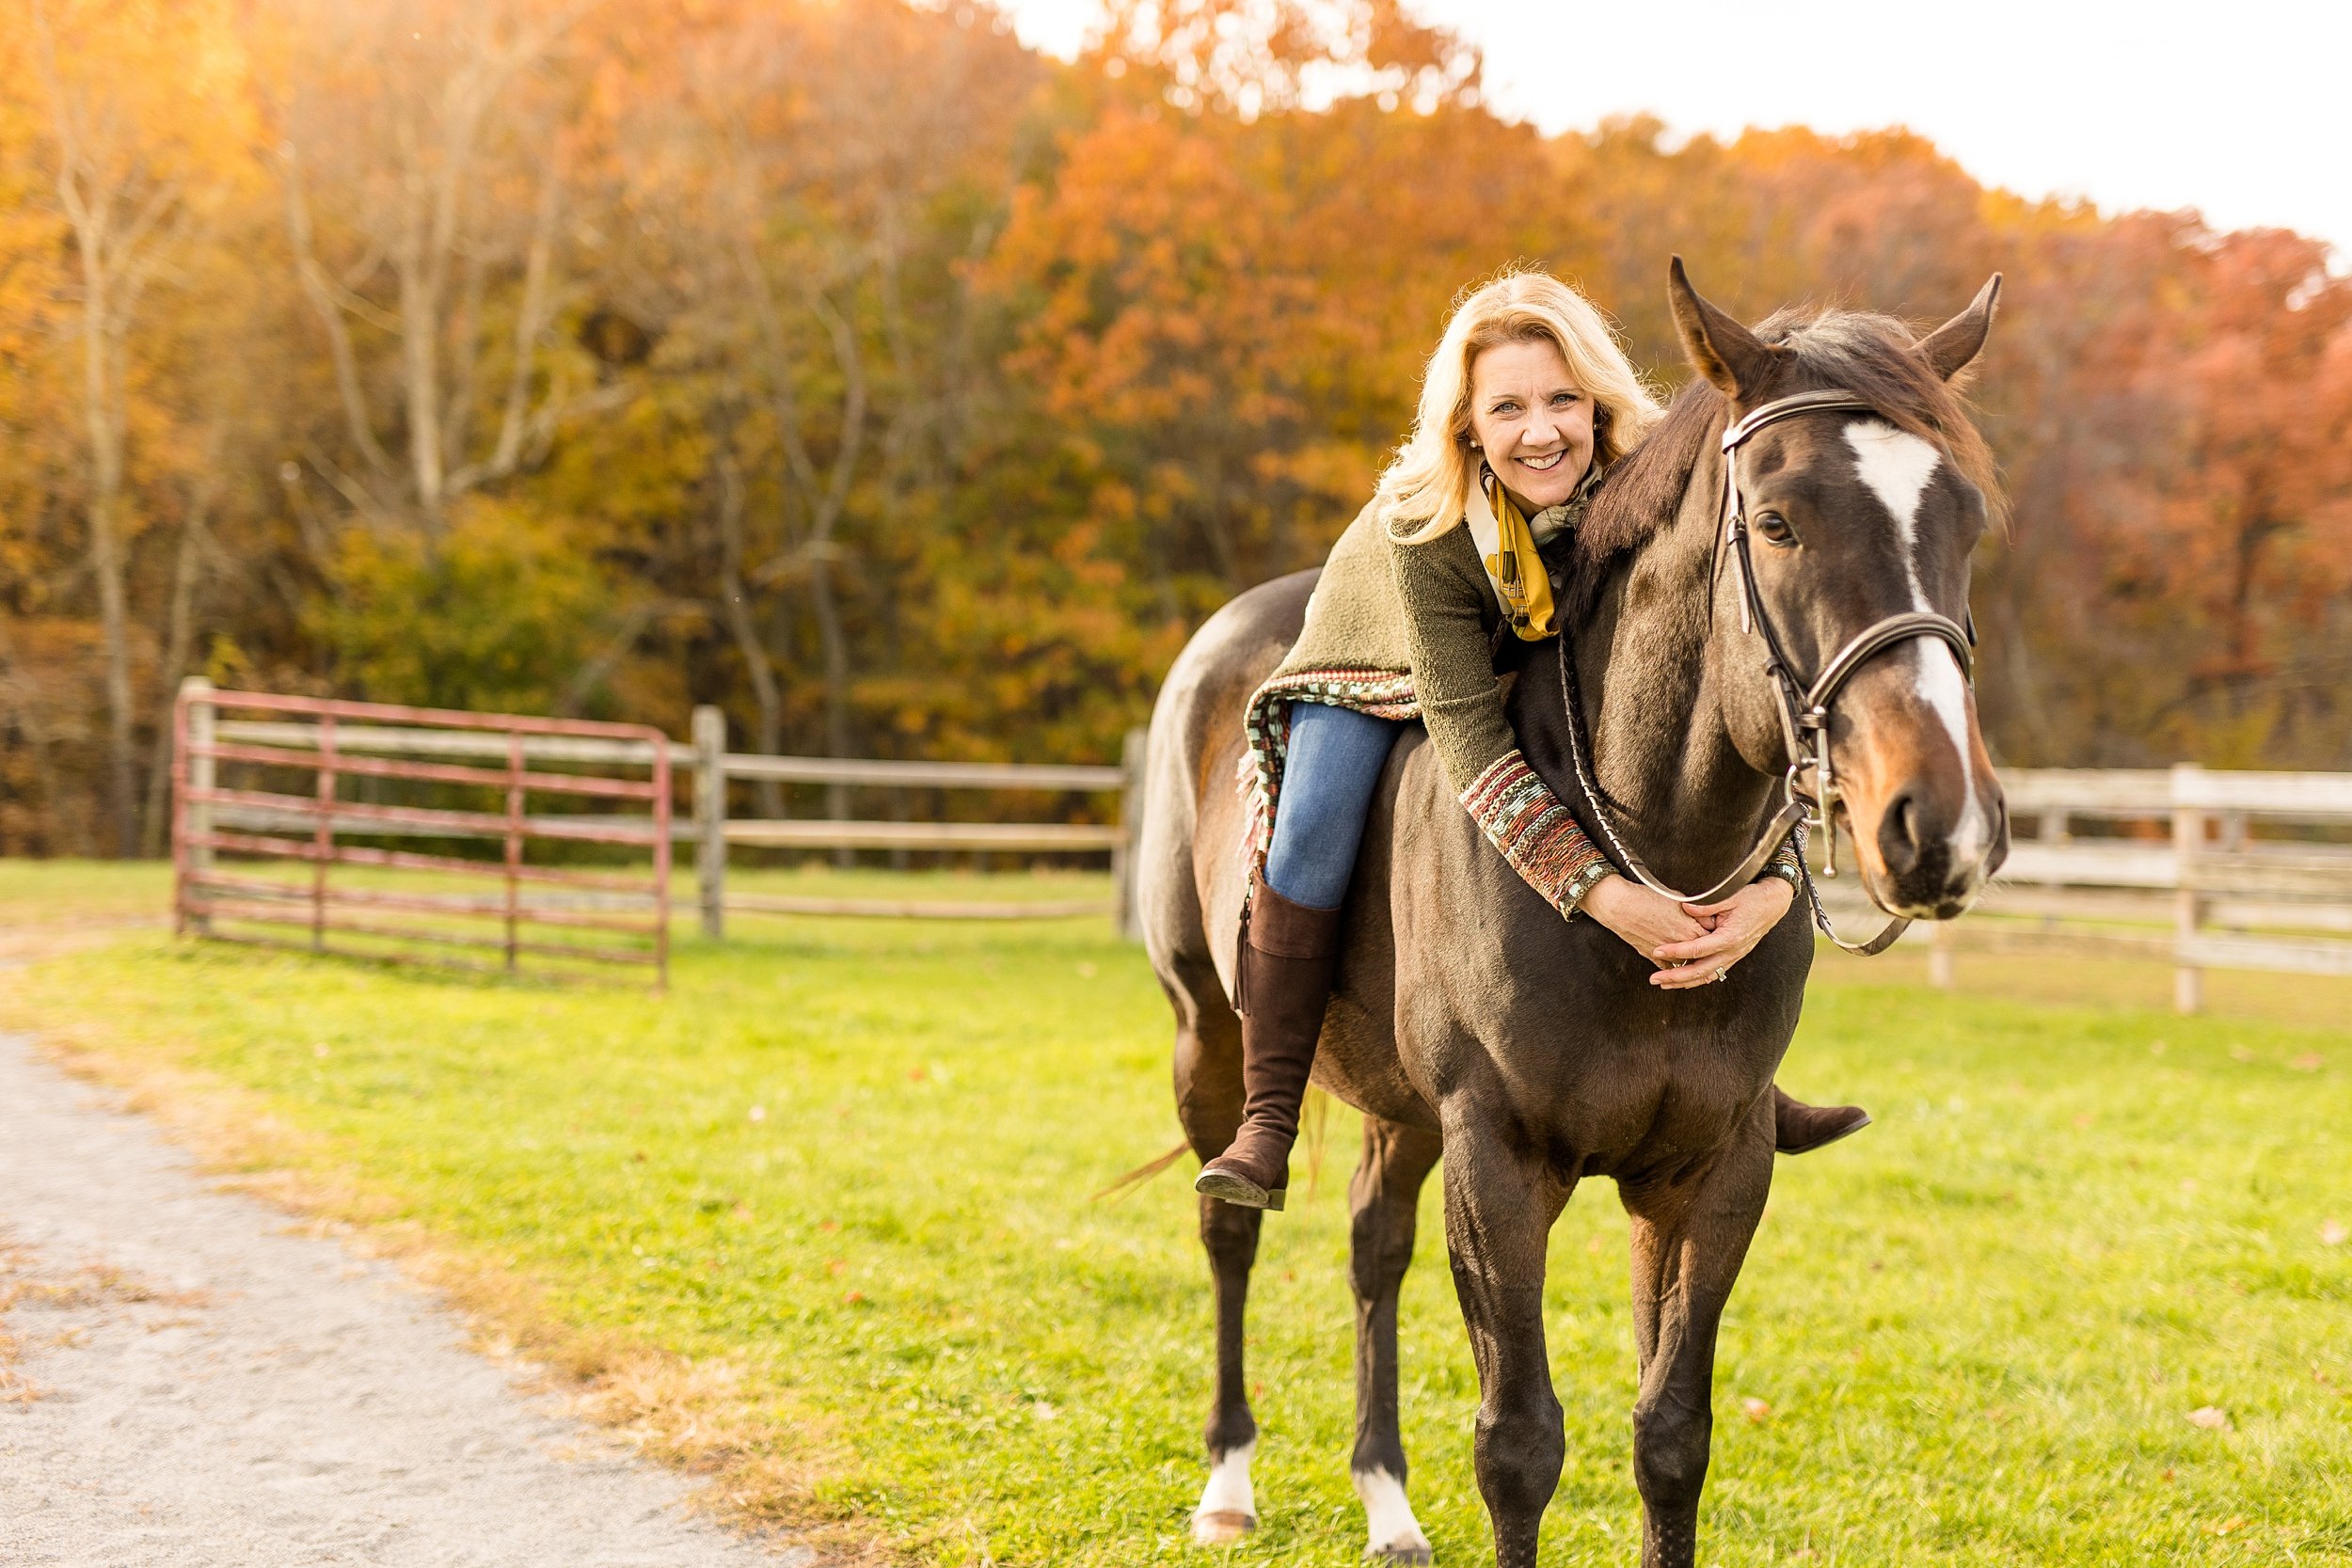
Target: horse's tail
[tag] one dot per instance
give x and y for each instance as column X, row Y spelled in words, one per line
column 1142, row 1173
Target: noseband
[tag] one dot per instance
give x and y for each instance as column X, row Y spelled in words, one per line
column 1804, row 707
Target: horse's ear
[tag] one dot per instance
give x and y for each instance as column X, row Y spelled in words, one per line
column 1720, row 349
column 1951, row 346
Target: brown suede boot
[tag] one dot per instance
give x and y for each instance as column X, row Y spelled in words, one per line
column 1282, row 984
column 1800, row 1129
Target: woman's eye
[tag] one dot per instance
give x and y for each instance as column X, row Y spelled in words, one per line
column 1776, row 529
column 1564, row 399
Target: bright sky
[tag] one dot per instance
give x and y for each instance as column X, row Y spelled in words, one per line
column 2239, row 108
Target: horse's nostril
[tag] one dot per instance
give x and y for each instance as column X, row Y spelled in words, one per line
column 1898, row 835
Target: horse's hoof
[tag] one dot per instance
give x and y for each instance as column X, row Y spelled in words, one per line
column 1401, row 1551
column 1237, row 1190
column 1223, row 1527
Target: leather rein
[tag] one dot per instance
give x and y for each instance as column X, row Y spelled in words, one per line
column 1803, row 707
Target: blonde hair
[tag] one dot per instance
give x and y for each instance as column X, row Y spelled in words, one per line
column 1428, row 481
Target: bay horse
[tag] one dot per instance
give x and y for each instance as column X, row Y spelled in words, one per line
column 1470, row 1023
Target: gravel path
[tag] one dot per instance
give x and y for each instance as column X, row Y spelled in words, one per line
column 194, row 1386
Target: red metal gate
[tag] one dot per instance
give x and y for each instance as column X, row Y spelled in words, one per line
column 383, row 746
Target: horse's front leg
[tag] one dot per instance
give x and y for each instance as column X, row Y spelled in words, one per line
column 1498, row 1209
column 1384, row 1197
column 1690, row 1236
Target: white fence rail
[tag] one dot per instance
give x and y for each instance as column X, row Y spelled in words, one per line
column 2213, row 868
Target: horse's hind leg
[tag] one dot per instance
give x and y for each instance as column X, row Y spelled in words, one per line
column 1208, row 1103
column 1690, row 1238
column 1227, row 1510
column 1384, row 1197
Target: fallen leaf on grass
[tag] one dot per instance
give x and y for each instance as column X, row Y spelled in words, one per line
column 2211, row 1417
column 1755, row 1410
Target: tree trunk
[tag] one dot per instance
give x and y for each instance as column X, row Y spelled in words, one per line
column 102, row 419
column 737, row 609
column 180, row 641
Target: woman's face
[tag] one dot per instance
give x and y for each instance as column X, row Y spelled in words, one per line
column 1531, row 419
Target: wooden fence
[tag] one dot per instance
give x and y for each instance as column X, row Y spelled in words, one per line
column 2211, row 869
column 712, row 829
column 399, row 905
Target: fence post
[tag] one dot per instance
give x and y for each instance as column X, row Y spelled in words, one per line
column 2189, row 842
column 1132, row 756
column 710, row 818
column 200, row 772
column 1942, row 941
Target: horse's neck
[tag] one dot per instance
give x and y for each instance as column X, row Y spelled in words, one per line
column 1653, row 708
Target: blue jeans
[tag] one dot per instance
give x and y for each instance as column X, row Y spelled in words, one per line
column 1332, row 767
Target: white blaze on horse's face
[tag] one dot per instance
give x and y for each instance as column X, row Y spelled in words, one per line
column 1897, row 466
column 1911, row 780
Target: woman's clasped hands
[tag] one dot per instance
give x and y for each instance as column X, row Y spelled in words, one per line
column 1692, row 944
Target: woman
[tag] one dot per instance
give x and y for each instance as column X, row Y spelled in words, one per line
column 1526, row 404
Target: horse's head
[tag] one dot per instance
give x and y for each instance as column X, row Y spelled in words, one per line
column 1854, row 517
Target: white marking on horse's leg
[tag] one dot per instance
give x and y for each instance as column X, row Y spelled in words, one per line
column 1227, row 1511
column 1944, row 689
column 1897, row 466
column 1391, row 1531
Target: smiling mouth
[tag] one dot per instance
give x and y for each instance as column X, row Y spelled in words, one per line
column 1545, row 463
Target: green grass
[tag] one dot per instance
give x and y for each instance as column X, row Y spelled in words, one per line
column 1980, row 1326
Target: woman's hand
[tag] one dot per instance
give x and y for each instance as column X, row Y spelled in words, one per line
column 1650, row 925
column 1734, row 927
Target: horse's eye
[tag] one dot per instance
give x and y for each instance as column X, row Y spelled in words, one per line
column 1776, row 529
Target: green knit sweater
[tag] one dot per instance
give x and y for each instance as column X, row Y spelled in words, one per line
column 1404, row 630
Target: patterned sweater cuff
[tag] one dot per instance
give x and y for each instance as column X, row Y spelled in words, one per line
column 1534, row 832
column 1788, row 861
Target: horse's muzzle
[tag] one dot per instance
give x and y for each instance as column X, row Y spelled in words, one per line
column 1936, row 849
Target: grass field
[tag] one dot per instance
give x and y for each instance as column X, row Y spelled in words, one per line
column 843, row 1169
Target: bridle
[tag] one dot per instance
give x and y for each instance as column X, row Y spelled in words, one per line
column 1804, row 707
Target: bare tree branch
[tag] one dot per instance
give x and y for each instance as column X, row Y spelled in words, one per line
column 326, row 304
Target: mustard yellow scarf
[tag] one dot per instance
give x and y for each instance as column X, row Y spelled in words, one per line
column 1506, row 541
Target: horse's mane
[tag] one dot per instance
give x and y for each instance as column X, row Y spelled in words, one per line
column 1867, row 354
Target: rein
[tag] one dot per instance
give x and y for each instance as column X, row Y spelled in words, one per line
column 1802, row 706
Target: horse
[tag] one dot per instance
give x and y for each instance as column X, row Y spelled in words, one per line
column 1829, row 538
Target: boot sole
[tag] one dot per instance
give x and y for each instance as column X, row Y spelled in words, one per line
column 1237, row 1190
column 1824, row 1143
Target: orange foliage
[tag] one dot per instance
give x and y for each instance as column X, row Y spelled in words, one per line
column 906, row 394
